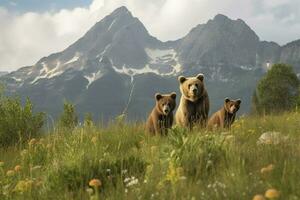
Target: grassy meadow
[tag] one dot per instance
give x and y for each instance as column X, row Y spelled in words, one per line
column 122, row 162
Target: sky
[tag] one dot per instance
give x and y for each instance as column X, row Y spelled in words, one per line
column 32, row 29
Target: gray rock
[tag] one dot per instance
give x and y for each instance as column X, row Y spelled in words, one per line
column 272, row 137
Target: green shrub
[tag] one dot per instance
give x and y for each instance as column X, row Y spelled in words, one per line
column 68, row 118
column 18, row 123
column 278, row 91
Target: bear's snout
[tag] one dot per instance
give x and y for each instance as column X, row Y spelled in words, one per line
column 166, row 109
column 233, row 109
column 194, row 89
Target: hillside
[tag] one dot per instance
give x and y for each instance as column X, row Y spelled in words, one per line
column 124, row 163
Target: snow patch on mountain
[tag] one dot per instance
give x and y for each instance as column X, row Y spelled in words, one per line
column 104, row 51
column 74, row 59
column 44, row 69
column 17, row 79
column 164, row 57
column 43, row 73
column 38, row 78
column 55, row 72
column 111, row 24
column 246, row 68
column 93, row 77
column 46, row 73
column 216, row 75
column 160, row 55
column 132, row 71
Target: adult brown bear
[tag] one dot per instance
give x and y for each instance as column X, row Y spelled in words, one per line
column 225, row 117
column 194, row 103
column 161, row 117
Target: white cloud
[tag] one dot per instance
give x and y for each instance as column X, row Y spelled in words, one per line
column 26, row 38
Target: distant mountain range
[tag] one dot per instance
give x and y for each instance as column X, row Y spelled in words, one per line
column 117, row 66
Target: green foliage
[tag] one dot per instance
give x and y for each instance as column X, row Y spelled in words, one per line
column 18, row 123
column 133, row 165
column 88, row 120
column 198, row 155
column 278, row 91
column 68, row 118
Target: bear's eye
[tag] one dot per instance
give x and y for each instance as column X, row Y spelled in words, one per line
column 196, row 84
column 163, row 104
column 189, row 85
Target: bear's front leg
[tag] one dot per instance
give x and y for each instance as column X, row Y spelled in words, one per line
column 157, row 126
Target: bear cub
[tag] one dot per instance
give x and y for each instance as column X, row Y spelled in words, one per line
column 225, row 117
column 194, row 103
column 161, row 117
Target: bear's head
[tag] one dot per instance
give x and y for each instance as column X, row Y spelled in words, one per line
column 192, row 88
column 165, row 103
column 232, row 106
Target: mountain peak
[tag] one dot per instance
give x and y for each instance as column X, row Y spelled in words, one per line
column 220, row 40
column 121, row 11
column 220, row 17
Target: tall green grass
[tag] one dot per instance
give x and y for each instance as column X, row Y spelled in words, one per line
column 133, row 165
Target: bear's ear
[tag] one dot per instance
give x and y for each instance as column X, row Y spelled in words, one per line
column 227, row 100
column 181, row 79
column 200, row 77
column 173, row 95
column 239, row 101
column 158, row 96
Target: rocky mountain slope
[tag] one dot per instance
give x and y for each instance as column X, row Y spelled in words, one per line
column 117, row 66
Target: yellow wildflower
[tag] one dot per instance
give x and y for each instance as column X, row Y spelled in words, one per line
column 18, row 168
column 267, row 169
column 23, row 186
column 272, row 193
column 95, row 183
column 258, row 197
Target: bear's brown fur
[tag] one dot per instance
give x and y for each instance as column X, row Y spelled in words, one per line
column 194, row 103
column 225, row 117
column 161, row 117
